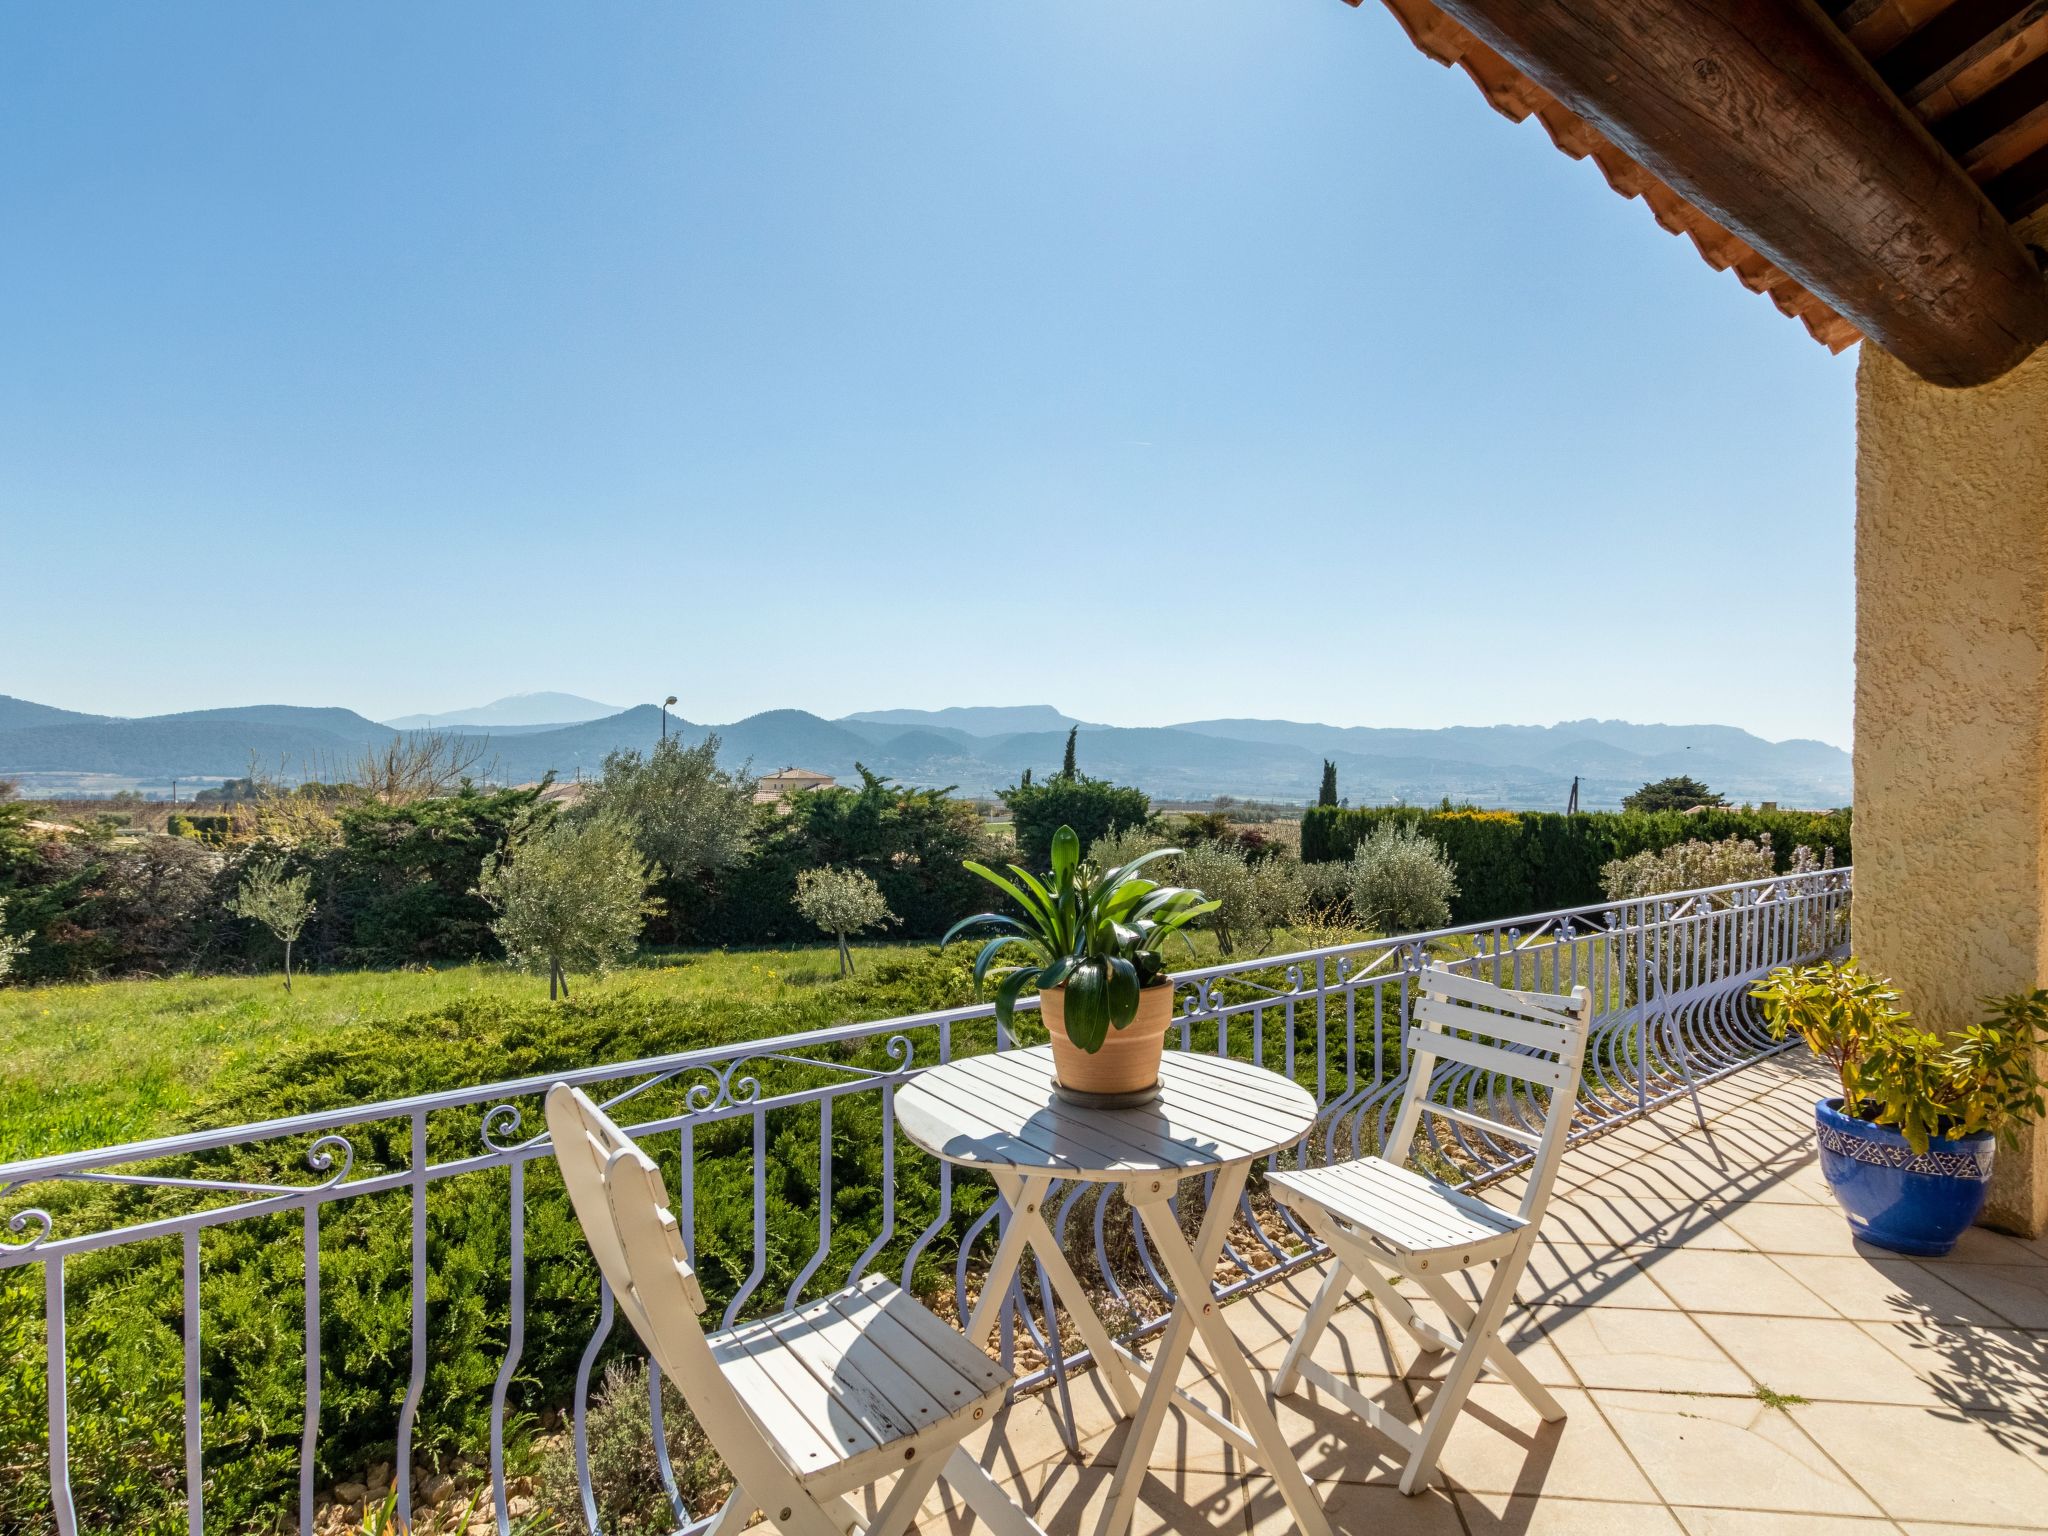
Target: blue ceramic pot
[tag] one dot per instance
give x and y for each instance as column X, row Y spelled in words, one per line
column 1910, row 1202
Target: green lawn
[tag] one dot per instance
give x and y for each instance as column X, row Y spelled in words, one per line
column 107, row 1062
column 92, row 1065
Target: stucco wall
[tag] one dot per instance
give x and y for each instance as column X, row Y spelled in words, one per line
column 1952, row 703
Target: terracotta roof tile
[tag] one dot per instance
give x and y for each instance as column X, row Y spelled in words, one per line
column 1519, row 98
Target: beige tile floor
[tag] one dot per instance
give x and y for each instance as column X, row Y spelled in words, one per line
column 1686, row 1279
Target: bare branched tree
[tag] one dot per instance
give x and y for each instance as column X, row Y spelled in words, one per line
column 419, row 765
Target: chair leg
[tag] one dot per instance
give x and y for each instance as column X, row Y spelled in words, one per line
column 732, row 1514
column 1397, row 1306
column 1498, row 1355
column 1457, row 1383
column 900, row 1508
column 981, row 1493
column 1328, row 1299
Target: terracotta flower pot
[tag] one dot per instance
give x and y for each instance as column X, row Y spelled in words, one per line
column 1128, row 1063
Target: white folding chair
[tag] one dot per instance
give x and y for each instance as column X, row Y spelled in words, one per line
column 804, row 1408
column 1381, row 1219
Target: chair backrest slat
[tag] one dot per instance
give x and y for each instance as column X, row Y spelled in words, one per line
column 1501, row 1026
column 1549, row 1006
column 1483, row 1124
column 1530, row 1066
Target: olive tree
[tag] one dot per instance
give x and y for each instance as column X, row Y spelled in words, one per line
column 570, row 894
column 1257, row 896
column 274, row 900
column 841, row 901
column 687, row 814
column 1401, row 881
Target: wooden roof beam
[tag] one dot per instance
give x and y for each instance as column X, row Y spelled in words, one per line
column 1763, row 115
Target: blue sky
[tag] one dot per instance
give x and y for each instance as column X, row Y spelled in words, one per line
column 1157, row 359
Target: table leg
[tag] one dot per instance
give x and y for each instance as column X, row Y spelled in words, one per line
column 1196, row 1312
column 1028, row 1209
column 1002, row 1269
column 1134, row 1461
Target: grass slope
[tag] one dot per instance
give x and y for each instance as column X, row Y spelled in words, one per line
column 95, row 1065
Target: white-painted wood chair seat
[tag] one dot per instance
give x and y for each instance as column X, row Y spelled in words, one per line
column 1383, row 1220
column 803, row 1408
column 840, row 1386
column 1402, row 1212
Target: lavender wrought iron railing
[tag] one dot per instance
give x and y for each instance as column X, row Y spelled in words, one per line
column 1669, row 975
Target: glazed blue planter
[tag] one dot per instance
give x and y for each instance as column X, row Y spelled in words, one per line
column 1917, row 1203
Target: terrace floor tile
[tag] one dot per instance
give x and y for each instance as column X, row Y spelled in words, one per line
column 1730, row 1452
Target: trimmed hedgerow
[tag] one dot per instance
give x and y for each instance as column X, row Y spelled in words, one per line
column 1513, row 862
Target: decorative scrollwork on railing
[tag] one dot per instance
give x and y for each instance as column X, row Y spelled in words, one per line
column 320, row 1158
column 501, row 1127
column 333, row 1155
column 726, row 1090
column 733, row 1085
column 20, row 1222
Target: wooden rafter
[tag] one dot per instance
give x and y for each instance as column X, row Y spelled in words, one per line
column 1858, row 164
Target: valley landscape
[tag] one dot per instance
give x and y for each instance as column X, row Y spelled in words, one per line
column 57, row 752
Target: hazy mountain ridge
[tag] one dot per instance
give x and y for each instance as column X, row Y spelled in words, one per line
column 521, row 711
column 1517, row 766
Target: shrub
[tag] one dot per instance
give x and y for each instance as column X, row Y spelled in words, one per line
column 1325, row 888
column 912, row 843
column 625, row 1478
column 1092, row 807
column 1401, row 881
column 11, row 944
column 138, row 905
column 1679, row 793
column 401, row 886
column 216, row 830
column 1124, row 845
column 688, row 815
column 1689, row 866
column 1256, row 897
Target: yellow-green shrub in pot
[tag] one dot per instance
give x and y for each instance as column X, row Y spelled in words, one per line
column 1908, row 1147
column 1092, row 944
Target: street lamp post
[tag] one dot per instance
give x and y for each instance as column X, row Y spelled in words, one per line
column 666, row 705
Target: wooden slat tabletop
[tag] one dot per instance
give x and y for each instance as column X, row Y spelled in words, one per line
column 999, row 1111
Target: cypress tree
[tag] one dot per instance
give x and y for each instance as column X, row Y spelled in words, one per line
column 1067, row 768
column 1327, row 795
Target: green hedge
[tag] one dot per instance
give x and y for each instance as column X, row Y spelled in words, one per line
column 1512, row 862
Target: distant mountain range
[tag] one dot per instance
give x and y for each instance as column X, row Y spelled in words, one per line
column 524, row 711
column 978, row 750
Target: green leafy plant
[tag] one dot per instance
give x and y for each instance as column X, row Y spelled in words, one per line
column 1402, row 881
column 1984, row 1077
column 277, row 901
column 841, row 901
column 1099, row 936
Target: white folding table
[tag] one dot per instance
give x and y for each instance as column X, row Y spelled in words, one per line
column 1215, row 1115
